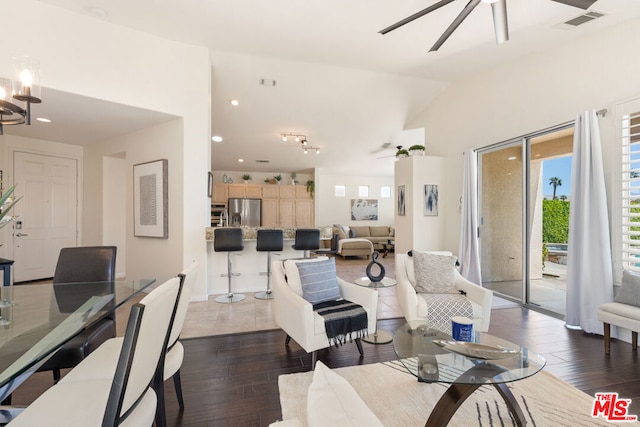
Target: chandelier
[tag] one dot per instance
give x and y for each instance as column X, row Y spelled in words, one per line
column 24, row 87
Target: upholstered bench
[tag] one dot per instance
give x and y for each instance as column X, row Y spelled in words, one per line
column 354, row 247
column 622, row 315
column 624, row 312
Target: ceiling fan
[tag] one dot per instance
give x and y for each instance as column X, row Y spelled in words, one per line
column 398, row 147
column 498, row 7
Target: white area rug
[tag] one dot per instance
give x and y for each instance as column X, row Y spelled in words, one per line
column 398, row 399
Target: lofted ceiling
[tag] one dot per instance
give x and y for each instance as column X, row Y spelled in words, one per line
column 349, row 89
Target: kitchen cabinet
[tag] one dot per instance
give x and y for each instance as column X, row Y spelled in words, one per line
column 270, row 191
column 270, row 213
column 253, row 191
column 220, row 193
column 304, row 213
column 287, row 191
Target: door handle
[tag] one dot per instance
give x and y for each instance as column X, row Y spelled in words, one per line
column 21, row 235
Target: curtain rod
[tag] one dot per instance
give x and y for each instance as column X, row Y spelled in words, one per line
column 603, row 112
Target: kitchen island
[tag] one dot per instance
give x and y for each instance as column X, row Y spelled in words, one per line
column 249, row 263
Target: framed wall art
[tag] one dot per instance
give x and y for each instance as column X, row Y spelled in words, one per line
column 402, row 208
column 430, row 206
column 364, row 209
column 150, row 199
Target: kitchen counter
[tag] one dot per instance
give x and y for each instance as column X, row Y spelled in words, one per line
column 249, row 263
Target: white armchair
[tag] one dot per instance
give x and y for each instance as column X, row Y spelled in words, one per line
column 415, row 308
column 295, row 315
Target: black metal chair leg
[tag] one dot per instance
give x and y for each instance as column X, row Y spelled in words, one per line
column 178, row 386
column 287, row 340
column 314, row 359
column 158, row 387
column 56, row 376
column 359, row 345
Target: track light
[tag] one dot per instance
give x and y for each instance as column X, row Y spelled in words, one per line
column 305, row 151
column 286, row 135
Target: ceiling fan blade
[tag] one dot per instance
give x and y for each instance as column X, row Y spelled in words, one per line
column 415, row 16
column 455, row 24
column 582, row 4
column 500, row 25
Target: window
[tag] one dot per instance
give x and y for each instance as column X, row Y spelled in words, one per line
column 385, row 192
column 630, row 135
column 363, row 191
column 340, row 190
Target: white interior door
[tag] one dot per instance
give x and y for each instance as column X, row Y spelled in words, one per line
column 47, row 213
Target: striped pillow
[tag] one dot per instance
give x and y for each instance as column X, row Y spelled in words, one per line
column 318, row 280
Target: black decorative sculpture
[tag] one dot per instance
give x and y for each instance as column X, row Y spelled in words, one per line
column 374, row 262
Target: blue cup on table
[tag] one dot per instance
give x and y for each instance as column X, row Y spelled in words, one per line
column 462, row 329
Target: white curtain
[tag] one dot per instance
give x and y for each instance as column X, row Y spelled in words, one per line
column 589, row 267
column 468, row 253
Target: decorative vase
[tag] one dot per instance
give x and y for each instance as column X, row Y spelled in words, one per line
column 417, row 152
column 374, row 262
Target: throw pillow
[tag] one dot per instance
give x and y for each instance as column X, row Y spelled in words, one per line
column 434, row 273
column 630, row 291
column 332, row 401
column 291, row 271
column 340, row 231
column 352, row 233
column 318, row 280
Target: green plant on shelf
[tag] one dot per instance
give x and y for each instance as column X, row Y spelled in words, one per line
column 278, row 178
column 402, row 153
column 246, row 177
column 311, row 187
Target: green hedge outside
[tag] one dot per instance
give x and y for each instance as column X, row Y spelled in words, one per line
column 555, row 221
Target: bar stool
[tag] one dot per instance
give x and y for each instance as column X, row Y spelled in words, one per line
column 268, row 241
column 228, row 240
column 307, row 239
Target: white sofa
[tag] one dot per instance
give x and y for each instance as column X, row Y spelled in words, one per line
column 296, row 317
column 415, row 308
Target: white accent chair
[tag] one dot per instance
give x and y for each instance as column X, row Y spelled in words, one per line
column 102, row 362
column 127, row 398
column 415, row 309
column 295, row 315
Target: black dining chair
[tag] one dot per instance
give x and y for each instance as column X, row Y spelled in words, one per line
column 80, row 265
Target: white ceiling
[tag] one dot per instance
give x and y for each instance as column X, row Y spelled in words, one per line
column 346, row 87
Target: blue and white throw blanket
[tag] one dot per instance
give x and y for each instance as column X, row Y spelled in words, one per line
column 343, row 320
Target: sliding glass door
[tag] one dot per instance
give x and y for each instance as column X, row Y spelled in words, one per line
column 524, row 217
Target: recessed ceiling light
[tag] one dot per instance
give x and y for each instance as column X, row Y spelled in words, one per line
column 43, row 120
column 234, row 102
column 512, row 158
column 240, row 160
column 216, row 138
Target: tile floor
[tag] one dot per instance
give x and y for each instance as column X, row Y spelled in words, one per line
column 211, row 318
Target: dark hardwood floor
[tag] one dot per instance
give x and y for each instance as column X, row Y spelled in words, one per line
column 232, row 380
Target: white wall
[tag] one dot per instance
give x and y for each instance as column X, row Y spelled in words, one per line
column 337, row 210
column 414, row 230
column 90, row 57
column 536, row 92
column 114, row 208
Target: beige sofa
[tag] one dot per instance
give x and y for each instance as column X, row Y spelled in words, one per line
column 362, row 240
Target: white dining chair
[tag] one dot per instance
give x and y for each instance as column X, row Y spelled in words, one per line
column 126, row 398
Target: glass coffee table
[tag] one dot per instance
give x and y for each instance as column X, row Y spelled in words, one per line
column 433, row 357
column 379, row 336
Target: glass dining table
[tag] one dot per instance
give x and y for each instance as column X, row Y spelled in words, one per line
column 40, row 318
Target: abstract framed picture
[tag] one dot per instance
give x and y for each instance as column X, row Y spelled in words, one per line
column 150, row 199
column 430, row 206
column 364, row 209
column 402, row 207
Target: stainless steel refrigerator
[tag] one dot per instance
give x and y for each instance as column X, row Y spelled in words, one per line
column 245, row 212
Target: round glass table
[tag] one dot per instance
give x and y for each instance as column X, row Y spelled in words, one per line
column 379, row 336
column 432, row 356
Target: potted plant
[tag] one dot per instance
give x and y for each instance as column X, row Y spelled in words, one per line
column 267, row 180
column 417, row 150
column 6, row 203
column 402, row 153
column 246, row 178
column 293, row 176
column 311, row 187
column 278, row 178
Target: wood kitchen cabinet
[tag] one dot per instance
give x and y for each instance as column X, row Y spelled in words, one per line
column 304, row 213
column 301, row 192
column 287, row 212
column 220, row 193
column 253, row 191
column 287, row 191
column 270, row 213
column 237, row 191
column 270, row 192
